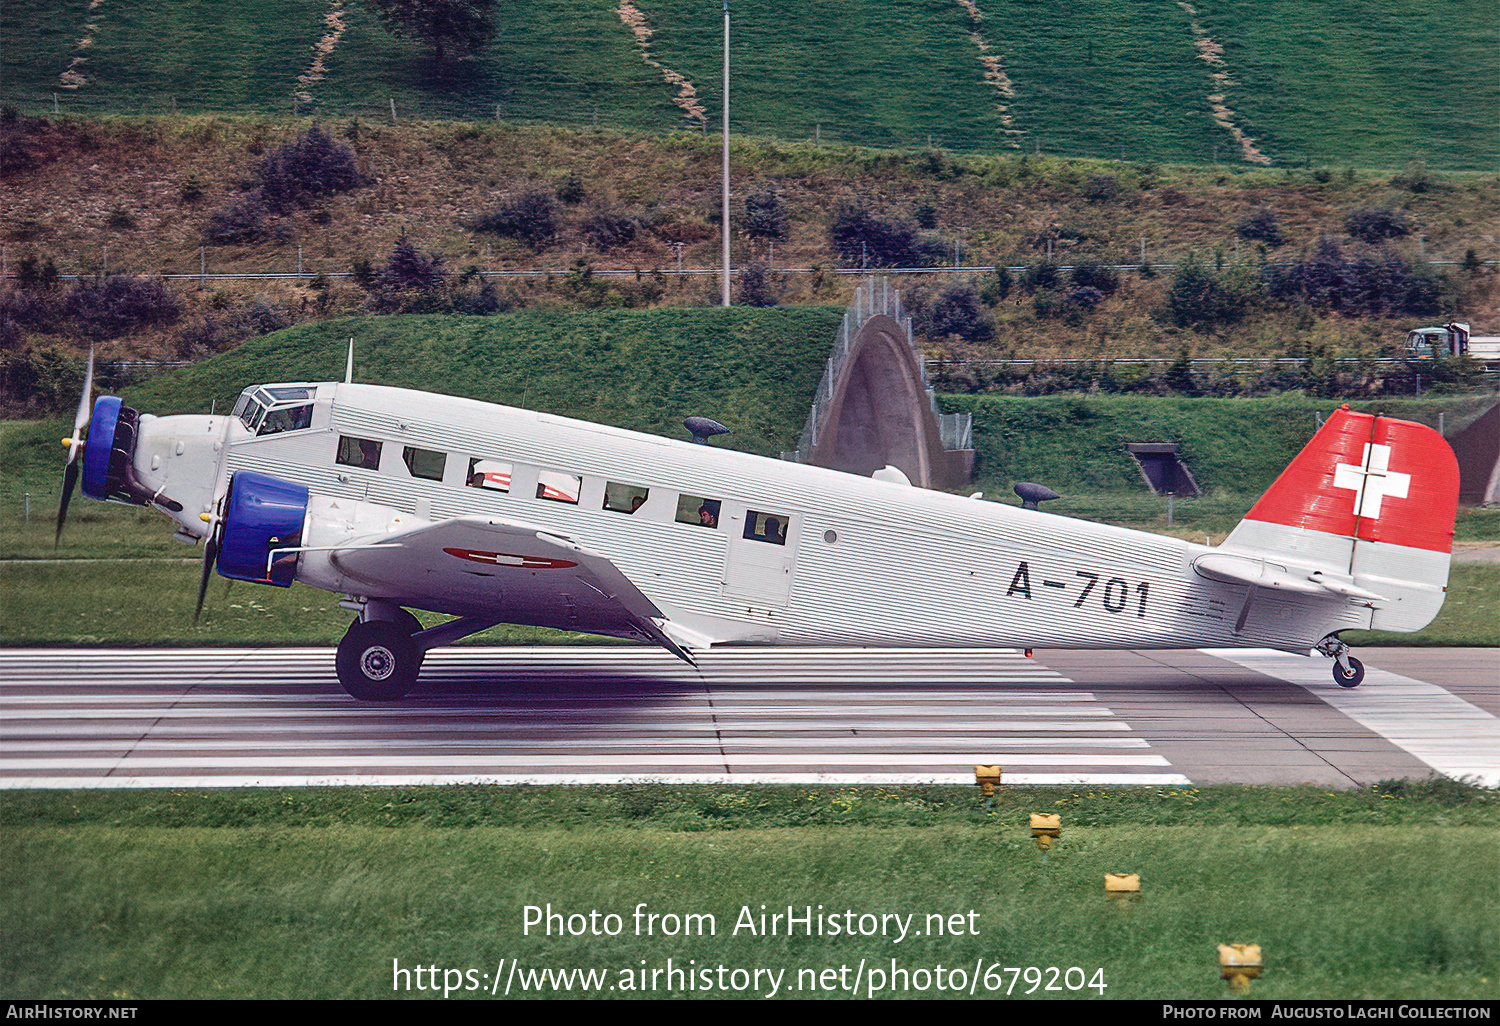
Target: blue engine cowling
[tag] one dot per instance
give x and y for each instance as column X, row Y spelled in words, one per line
column 261, row 513
column 108, row 468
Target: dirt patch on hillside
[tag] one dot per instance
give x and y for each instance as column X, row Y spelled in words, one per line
column 994, row 72
column 1212, row 54
column 687, row 93
column 317, row 70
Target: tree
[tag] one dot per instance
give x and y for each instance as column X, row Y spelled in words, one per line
column 463, row 26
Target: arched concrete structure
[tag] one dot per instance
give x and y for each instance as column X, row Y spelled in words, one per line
column 874, row 408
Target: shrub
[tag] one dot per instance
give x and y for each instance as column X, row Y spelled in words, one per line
column 298, row 173
column 16, row 153
column 609, row 229
column 1100, row 277
column 242, row 221
column 34, row 309
column 1375, row 225
column 1101, row 188
column 997, row 286
column 261, row 317
column 1262, row 226
column 481, row 301
column 411, row 281
column 1201, row 295
column 190, row 189
column 529, row 217
column 1416, row 178
column 757, row 286
column 1380, row 287
column 120, row 304
column 1085, row 297
column 957, row 311
column 766, row 215
column 38, row 381
column 1043, row 275
column 570, row 190
column 199, row 337
column 864, row 239
column 34, row 276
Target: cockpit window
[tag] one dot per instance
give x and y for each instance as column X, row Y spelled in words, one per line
column 249, row 410
column 286, row 418
column 286, row 394
column 766, row 527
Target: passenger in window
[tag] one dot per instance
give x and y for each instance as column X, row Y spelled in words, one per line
column 772, row 531
column 707, row 517
column 636, row 503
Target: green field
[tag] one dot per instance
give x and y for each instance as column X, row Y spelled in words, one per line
column 1370, row 84
column 1382, row 893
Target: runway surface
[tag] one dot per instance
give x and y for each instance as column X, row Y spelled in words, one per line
column 277, row 717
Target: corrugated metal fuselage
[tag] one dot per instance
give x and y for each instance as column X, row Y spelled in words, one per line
column 865, row 562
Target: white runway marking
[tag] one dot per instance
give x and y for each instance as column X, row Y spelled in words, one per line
column 276, row 717
column 1454, row 737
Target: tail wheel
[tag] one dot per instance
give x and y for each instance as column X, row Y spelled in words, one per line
column 378, row 661
column 1353, row 678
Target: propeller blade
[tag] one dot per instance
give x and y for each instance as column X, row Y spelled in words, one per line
column 70, row 471
column 82, row 416
column 210, row 553
column 70, row 478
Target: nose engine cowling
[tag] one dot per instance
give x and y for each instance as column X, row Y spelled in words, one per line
column 109, row 457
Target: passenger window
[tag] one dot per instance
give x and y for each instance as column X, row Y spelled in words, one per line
column 623, row 498
column 766, row 527
column 493, row 475
column 287, row 418
column 424, row 463
column 557, row 487
column 695, row 509
column 359, row 452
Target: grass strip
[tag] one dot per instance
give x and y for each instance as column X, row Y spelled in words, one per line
column 1381, row 893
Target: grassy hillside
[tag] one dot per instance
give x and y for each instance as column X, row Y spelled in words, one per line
column 1376, row 83
column 753, row 369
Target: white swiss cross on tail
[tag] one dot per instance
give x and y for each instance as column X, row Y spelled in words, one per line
column 1372, row 481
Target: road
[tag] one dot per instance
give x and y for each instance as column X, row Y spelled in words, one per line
column 276, row 717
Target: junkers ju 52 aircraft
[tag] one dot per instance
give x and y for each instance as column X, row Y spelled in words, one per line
column 393, row 498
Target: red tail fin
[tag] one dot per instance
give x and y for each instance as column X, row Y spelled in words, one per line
column 1372, row 479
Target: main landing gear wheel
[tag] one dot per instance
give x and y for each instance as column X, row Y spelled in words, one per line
column 1353, row 678
column 378, row 660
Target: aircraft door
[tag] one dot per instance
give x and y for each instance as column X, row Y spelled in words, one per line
column 762, row 552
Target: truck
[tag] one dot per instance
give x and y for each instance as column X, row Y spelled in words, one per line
column 1452, row 339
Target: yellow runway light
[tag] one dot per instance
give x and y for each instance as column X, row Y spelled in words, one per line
column 1122, row 888
column 988, row 778
column 1239, row 964
column 1044, row 827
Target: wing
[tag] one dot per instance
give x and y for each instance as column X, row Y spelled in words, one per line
column 506, row 570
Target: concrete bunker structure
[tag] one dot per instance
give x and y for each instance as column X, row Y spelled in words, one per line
column 873, row 407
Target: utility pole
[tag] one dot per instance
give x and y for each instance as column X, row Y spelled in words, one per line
column 724, row 212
